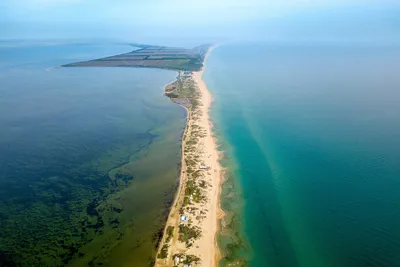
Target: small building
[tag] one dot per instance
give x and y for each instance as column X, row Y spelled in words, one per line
column 183, row 218
column 177, row 260
column 202, row 167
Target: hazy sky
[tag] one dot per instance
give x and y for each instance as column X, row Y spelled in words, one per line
column 207, row 19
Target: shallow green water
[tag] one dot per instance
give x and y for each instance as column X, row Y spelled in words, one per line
column 88, row 158
column 311, row 134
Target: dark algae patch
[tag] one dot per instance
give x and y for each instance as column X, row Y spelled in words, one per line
column 88, row 161
column 51, row 213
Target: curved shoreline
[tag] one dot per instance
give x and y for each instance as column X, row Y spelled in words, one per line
column 204, row 215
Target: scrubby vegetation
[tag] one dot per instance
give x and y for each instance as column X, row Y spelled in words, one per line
column 163, row 254
column 189, row 233
column 170, row 233
column 195, row 185
column 191, row 259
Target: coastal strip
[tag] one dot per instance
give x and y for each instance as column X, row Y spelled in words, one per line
column 190, row 233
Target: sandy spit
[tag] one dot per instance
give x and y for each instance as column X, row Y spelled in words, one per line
column 206, row 247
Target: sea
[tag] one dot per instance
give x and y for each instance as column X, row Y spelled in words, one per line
column 309, row 135
column 310, row 141
column 89, row 157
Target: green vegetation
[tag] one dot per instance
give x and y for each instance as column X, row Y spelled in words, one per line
column 191, row 259
column 203, row 184
column 163, row 252
column 188, row 233
column 186, row 89
column 192, row 190
column 153, row 57
column 172, row 95
column 170, row 233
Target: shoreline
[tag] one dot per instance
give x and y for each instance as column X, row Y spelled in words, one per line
column 218, row 182
column 202, row 206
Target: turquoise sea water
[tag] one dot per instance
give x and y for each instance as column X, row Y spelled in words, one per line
column 88, row 157
column 311, row 135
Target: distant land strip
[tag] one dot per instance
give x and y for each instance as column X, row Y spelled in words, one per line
column 150, row 56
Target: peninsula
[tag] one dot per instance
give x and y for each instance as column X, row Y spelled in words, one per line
column 189, row 237
column 150, row 56
column 190, row 234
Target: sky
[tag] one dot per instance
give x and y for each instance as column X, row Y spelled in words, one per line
column 208, row 20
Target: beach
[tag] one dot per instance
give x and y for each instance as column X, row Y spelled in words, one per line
column 200, row 159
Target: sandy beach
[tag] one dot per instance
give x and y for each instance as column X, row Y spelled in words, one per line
column 202, row 215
